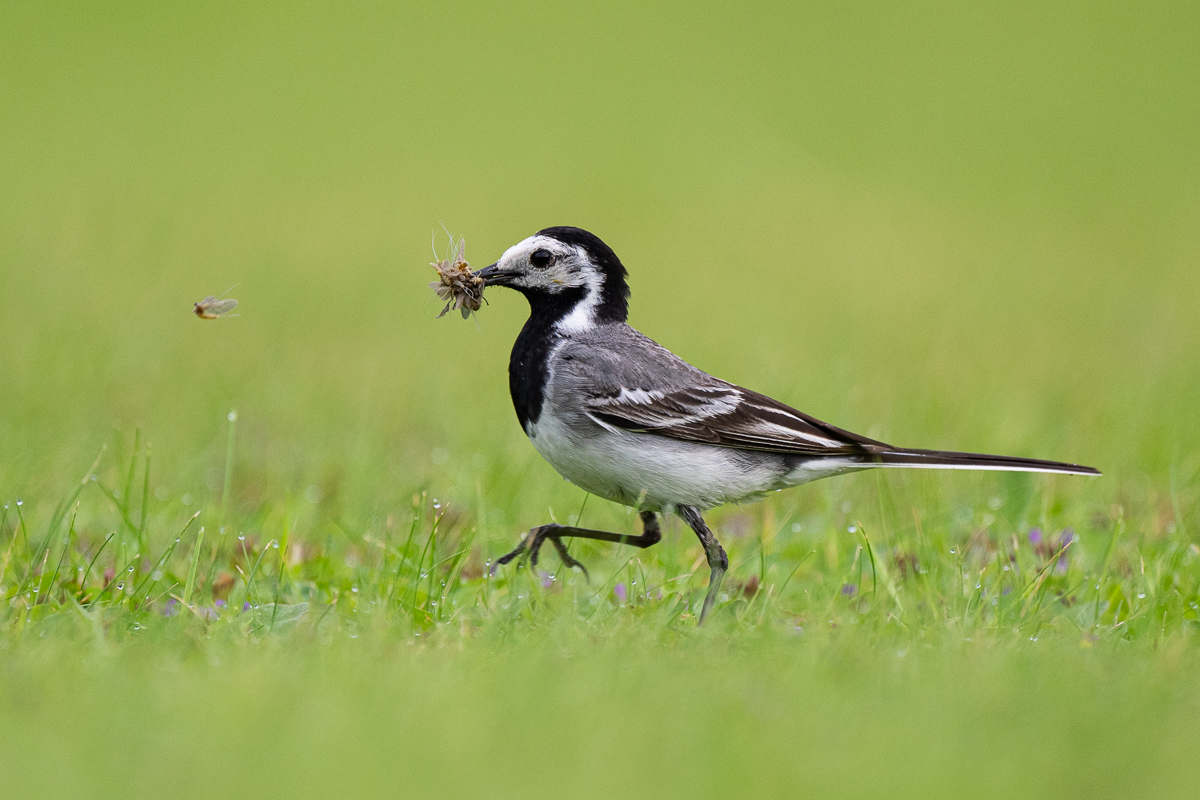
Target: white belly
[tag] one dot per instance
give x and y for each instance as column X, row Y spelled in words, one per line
column 653, row 472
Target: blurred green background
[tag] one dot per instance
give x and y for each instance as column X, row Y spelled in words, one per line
column 943, row 225
column 879, row 215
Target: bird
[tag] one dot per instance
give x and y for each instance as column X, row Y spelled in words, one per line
column 625, row 419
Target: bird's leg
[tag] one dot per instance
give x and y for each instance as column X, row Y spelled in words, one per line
column 718, row 562
column 534, row 540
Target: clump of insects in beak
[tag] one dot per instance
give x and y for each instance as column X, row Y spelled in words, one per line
column 461, row 288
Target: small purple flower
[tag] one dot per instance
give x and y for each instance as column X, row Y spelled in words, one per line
column 1065, row 537
column 246, row 606
column 219, row 603
column 172, row 608
column 849, row 589
column 546, row 579
column 1047, row 547
column 621, row 593
column 210, row 614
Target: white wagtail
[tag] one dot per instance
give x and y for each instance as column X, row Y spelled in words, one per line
column 625, row 419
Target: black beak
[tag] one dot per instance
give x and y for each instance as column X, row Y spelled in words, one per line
column 493, row 276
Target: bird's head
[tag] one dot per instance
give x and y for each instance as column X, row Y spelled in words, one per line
column 567, row 273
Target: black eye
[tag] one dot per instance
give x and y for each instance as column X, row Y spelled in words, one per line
column 541, row 259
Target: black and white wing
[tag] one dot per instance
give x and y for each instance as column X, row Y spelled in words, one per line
column 720, row 413
column 625, row 381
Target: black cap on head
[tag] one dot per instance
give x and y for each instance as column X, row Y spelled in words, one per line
column 614, row 303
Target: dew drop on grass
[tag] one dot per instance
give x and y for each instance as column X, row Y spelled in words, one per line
column 20, row 502
column 1141, row 595
column 120, row 586
column 156, row 575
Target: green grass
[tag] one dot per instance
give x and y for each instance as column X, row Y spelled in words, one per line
column 252, row 554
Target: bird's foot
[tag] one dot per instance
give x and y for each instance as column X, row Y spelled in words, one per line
column 566, row 558
column 531, row 546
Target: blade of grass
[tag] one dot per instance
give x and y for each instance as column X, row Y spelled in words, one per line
column 768, row 600
column 163, row 559
column 83, row 581
column 66, row 549
column 11, row 542
column 145, row 499
column 191, row 578
column 249, row 579
column 870, row 554
column 1035, row 584
column 416, row 582
column 283, row 546
column 24, row 531
column 128, row 490
column 418, row 515
column 60, row 511
column 1118, row 526
column 227, row 487
column 112, row 499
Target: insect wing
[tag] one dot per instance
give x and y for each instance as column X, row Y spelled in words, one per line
column 219, row 307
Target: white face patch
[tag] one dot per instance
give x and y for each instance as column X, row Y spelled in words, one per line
column 570, row 267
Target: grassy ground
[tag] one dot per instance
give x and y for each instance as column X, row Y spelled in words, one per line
column 252, row 554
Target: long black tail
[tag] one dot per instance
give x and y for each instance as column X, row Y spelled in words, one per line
column 941, row 459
